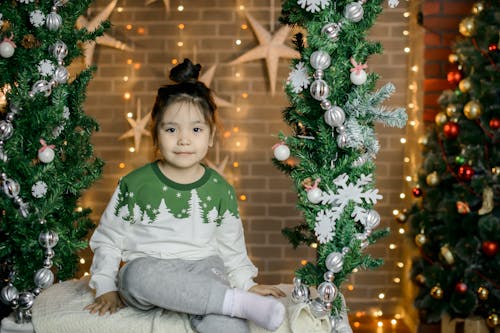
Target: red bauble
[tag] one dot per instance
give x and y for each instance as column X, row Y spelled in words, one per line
column 461, row 288
column 494, row 123
column 417, row 192
column 465, row 172
column 451, row 130
column 493, row 47
column 490, row 248
column 454, row 77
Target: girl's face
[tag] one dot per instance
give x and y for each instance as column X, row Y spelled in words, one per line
column 184, row 137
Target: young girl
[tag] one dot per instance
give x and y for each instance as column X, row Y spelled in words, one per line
column 175, row 225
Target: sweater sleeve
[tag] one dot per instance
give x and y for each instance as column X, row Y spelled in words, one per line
column 232, row 249
column 106, row 243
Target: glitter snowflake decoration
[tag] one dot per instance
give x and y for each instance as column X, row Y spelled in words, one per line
column 1, row 22
column 65, row 113
column 299, row 78
column 37, row 18
column 313, row 6
column 39, row 189
column 46, row 67
column 356, row 192
column 393, row 3
column 25, row 1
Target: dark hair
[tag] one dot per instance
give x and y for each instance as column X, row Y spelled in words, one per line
column 187, row 89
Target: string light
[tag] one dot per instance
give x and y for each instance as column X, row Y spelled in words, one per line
column 121, row 165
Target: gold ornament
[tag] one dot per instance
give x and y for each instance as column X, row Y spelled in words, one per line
column 436, row 292
column 29, row 41
column 496, row 170
column 423, row 141
column 420, row 278
column 453, row 58
column 472, row 110
column 467, row 26
column 492, row 320
column 447, row 255
column 440, row 119
column 478, row 7
column 465, row 85
column 420, row 239
column 483, row 293
column 451, row 110
column 432, row 179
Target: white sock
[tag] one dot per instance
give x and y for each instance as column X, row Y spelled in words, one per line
column 265, row 311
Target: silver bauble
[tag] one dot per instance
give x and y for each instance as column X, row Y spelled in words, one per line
column 59, row 3
column 44, row 278
column 26, row 300
column 11, row 188
column 59, row 50
column 319, row 90
column 334, row 262
column 300, row 294
column 354, row 12
column 61, row 75
column 8, row 294
column 6, row 130
column 342, row 140
column 49, row 253
column 47, row 263
column 41, row 86
column 318, row 309
column 327, row 292
column 334, row 117
column 10, row 117
column 372, row 220
column 53, row 21
column 48, row 239
column 329, row 276
column 320, row 60
column 6, row 49
column 332, row 30
column 326, row 104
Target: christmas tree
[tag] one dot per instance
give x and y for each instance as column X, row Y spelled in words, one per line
column 455, row 220
column 329, row 156
column 46, row 158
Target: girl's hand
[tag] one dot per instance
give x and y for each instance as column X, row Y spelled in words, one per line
column 265, row 290
column 109, row 301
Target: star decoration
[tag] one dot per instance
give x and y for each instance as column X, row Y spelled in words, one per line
column 270, row 48
column 166, row 2
column 207, row 79
column 138, row 127
column 105, row 40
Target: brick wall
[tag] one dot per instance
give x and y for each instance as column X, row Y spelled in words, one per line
column 211, row 28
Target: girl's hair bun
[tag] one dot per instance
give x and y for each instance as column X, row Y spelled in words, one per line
column 185, row 72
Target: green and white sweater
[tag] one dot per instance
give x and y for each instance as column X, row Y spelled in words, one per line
column 150, row 215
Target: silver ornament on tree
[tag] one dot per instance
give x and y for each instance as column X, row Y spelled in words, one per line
column 327, row 292
column 320, row 60
column 8, row 294
column 300, row 292
column 342, row 139
column 48, row 239
column 332, row 30
column 318, row 309
column 354, row 11
column 44, row 278
column 281, row 151
column 41, row 86
column 372, row 220
column 334, row 116
column 7, row 47
column 53, row 21
column 334, row 262
column 59, row 50
column 61, row 75
column 319, row 90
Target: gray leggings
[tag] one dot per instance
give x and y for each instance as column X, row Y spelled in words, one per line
column 195, row 287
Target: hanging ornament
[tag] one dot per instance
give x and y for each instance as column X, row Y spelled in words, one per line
column 281, row 151
column 494, row 123
column 327, row 292
column 483, row 293
column 451, row 130
column 30, row 42
column 432, row 179
column 354, row 12
column 44, row 278
column 46, row 152
column 314, row 193
column 463, row 207
column 440, row 119
column 492, row 320
column 436, row 292
column 300, row 292
column 488, row 201
column 473, row 109
column 420, row 239
column 59, row 50
column 7, row 47
column 465, row 172
column 461, row 287
column 493, row 47
column 417, row 192
column 53, row 21
column 454, row 77
column 447, row 255
column 39, row 189
column 41, row 86
column 372, row 220
column 467, row 26
column 332, row 30
column 465, row 85
column 358, row 74
column 334, row 262
column 459, row 159
column 320, row 60
column 478, row 7
column 451, row 110
column 61, row 75
column 319, row 90
column 490, row 248
column 334, row 116
column 37, row 18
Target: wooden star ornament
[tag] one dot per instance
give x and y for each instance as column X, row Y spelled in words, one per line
column 138, row 127
column 207, row 78
column 271, row 48
column 165, row 2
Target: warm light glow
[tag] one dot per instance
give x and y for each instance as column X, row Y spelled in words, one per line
column 303, row 262
column 356, row 324
column 181, row 26
column 393, row 246
column 244, row 95
column 414, row 68
column 121, row 165
column 402, row 140
column 130, row 114
column 411, row 105
column 395, row 212
column 394, row 322
column 125, row 78
column 350, row 287
column 378, row 313
column 180, row 44
column 314, row 245
column 227, row 134
column 406, row 159
column 402, row 195
column 86, row 274
column 236, row 164
column 412, row 87
column 408, row 178
column 380, row 324
column 243, row 197
column 400, row 264
column 238, row 109
column 397, row 316
column 174, row 61
column 413, row 123
column 396, row 280
column 236, row 129
column 119, row 9
column 237, row 74
column 244, row 26
column 242, row 7
column 406, row 14
column 126, row 95
column 407, row 49
column 381, row 296
column 79, row 209
column 238, row 42
column 82, row 261
column 128, row 27
column 401, row 231
column 131, row 149
column 141, row 31
column 180, row 8
column 130, row 61
column 355, row 270
column 238, row 144
column 137, row 66
column 406, row 32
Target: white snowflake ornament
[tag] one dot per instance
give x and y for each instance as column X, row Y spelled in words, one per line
column 25, row 1
column 39, row 189
column 299, row 78
column 324, row 228
column 313, row 6
column 56, row 131
column 65, row 113
column 46, row 68
column 393, row 3
column 37, row 18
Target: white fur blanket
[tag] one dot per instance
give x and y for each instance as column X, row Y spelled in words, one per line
column 60, row 309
